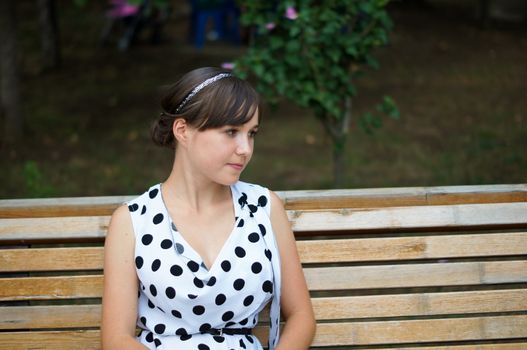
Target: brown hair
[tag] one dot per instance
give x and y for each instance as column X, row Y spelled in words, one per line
column 227, row 101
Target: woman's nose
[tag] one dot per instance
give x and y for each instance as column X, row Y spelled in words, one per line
column 244, row 145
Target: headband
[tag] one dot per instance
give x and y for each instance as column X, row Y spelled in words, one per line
column 200, row 87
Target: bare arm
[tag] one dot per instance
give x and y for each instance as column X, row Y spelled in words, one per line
column 119, row 303
column 295, row 301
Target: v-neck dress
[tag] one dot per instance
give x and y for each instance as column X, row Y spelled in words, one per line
column 180, row 299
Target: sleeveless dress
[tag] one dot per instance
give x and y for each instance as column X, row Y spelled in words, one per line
column 180, row 299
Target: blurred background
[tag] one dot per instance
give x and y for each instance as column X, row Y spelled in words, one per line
column 457, row 70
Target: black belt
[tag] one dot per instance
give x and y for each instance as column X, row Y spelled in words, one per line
column 228, row 331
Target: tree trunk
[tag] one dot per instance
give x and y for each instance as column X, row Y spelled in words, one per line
column 339, row 147
column 9, row 93
column 49, row 35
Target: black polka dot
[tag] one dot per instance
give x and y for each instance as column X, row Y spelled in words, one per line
column 153, row 290
column 176, row 270
column 166, row 244
column 151, row 305
column 176, row 313
column 139, row 262
column 253, row 209
column 157, row 342
column 241, row 223
column 173, row 227
column 267, row 286
column 238, row 284
column 220, row 299
column 244, row 321
column 227, row 316
column 179, row 247
column 229, row 324
column 143, row 320
column 150, row 337
column 249, row 338
column 143, row 211
column 152, row 194
column 262, row 201
column 160, row 328
column 242, row 200
column 170, row 293
column 198, row 310
column 203, row 347
column 193, row 266
column 254, row 237
column 158, row 219
column 133, row 207
column 248, row 300
column 242, row 344
column 156, row 264
column 185, row 337
column 268, row 254
column 256, row 267
column 218, row 339
column 192, row 296
column 147, row 239
column 225, row 265
column 181, row 331
column 211, row 281
column 198, row 283
column 263, row 231
column 204, row 327
column 240, row 252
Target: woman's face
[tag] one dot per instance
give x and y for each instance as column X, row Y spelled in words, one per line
column 221, row 154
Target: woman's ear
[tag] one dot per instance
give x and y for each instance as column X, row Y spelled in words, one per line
column 180, row 131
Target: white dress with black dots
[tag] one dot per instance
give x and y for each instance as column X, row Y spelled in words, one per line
column 180, row 299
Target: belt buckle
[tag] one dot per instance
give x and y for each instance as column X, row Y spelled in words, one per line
column 221, row 332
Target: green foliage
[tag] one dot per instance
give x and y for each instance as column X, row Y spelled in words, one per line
column 313, row 53
column 34, row 180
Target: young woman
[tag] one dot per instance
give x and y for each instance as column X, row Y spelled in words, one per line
column 193, row 260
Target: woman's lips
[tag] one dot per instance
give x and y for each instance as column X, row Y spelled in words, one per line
column 236, row 166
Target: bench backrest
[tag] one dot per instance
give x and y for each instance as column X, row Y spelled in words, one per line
column 423, row 268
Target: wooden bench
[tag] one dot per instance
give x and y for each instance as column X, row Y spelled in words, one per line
column 412, row 268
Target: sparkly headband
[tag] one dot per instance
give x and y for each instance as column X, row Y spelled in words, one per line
column 200, row 87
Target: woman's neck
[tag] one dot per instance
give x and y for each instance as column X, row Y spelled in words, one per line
column 190, row 192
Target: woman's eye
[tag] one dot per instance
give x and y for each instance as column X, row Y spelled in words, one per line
column 231, row 132
column 253, row 133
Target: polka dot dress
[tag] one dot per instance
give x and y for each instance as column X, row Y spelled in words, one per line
column 180, row 299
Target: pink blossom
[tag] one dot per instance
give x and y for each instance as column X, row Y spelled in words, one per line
column 291, row 13
column 270, row 26
column 227, row 65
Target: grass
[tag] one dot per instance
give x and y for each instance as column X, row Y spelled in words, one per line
column 460, row 89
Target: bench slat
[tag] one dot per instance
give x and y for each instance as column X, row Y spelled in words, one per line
column 456, row 216
column 420, row 331
column 328, row 334
column 43, row 288
column 50, row 316
column 317, row 251
column 416, row 275
column 453, row 216
column 60, row 228
column 401, row 248
column 70, row 340
column 294, row 200
column 51, row 259
column 495, row 346
column 422, row 304
column 325, row 278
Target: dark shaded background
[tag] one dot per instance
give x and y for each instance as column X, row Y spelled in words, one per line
column 460, row 85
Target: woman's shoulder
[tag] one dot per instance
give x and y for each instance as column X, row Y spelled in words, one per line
column 135, row 203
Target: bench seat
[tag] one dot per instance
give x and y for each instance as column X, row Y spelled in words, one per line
column 406, row 268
